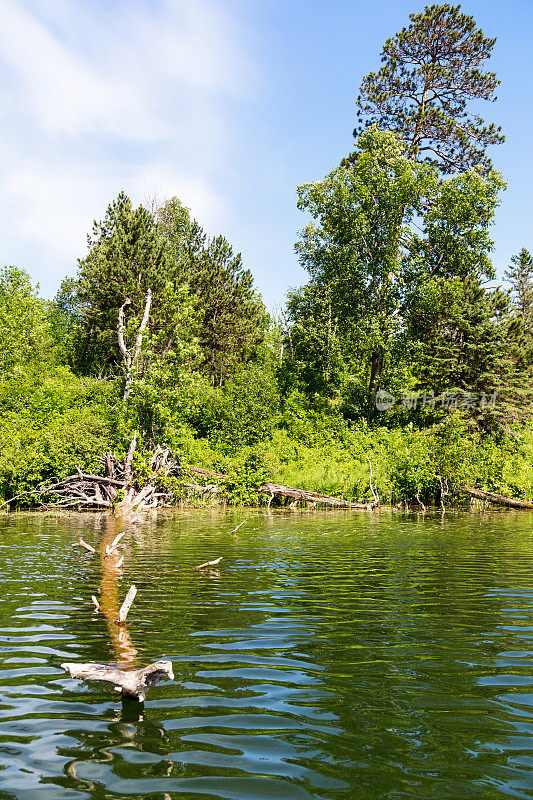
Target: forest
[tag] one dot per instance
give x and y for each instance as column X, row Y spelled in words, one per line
column 402, row 368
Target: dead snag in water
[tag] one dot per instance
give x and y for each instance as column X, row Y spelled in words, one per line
column 132, row 684
column 119, row 563
column 126, row 605
column 240, row 526
column 81, row 543
column 209, row 563
column 111, row 548
column 497, row 499
column 274, row 489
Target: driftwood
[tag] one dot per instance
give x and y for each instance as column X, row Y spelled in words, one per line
column 497, row 499
column 275, row 490
column 209, row 563
column 81, row 543
column 126, row 605
column 111, row 548
column 132, row 684
column 240, row 526
column 86, row 490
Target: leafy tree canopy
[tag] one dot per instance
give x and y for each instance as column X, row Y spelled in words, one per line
column 25, row 330
column 382, row 227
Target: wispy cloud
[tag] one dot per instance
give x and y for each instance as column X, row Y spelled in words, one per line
column 102, row 96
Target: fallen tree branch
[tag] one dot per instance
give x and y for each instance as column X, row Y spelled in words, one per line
column 81, row 543
column 132, row 684
column 110, row 549
column 126, row 605
column 240, row 526
column 209, row 563
column 18, row 496
column 497, row 499
column 275, row 489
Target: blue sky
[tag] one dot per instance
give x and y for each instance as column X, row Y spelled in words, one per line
column 227, row 104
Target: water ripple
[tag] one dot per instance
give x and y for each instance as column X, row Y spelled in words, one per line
column 327, row 656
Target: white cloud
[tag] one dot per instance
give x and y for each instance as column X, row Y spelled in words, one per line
column 99, row 97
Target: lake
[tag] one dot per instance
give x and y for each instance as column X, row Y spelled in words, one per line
column 329, row 655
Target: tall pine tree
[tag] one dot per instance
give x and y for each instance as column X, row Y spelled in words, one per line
column 432, row 70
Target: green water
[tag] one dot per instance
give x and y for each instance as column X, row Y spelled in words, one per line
column 334, row 655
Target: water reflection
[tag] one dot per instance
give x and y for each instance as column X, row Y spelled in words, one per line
column 125, row 652
column 328, row 657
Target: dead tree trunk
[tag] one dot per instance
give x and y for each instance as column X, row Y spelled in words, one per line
column 132, row 684
column 276, row 490
column 131, row 357
column 497, row 499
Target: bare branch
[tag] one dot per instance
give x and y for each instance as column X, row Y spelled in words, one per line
column 126, row 605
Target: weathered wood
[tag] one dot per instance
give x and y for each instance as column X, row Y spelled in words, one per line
column 240, row 526
column 87, row 476
column 126, row 605
column 128, row 475
column 132, row 684
column 274, row 489
column 497, row 499
column 209, row 563
column 81, row 543
column 111, row 548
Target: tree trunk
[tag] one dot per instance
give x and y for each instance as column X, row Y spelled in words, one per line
column 375, row 370
column 497, row 499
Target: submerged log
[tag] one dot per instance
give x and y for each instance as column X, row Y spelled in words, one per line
column 132, row 684
column 497, row 499
column 276, row 490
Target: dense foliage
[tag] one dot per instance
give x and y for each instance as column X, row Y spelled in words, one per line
column 399, row 352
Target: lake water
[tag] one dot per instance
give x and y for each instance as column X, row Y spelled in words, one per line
column 330, row 655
